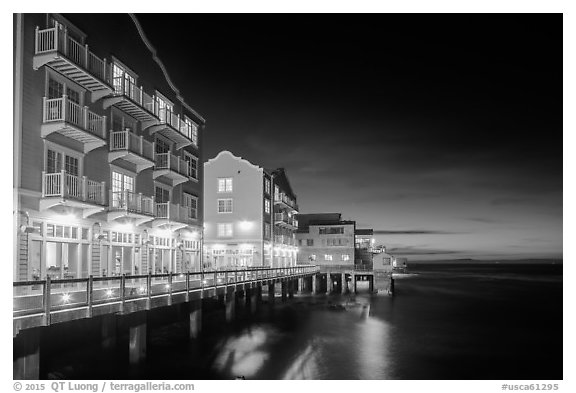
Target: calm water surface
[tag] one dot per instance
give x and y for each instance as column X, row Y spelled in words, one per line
column 445, row 322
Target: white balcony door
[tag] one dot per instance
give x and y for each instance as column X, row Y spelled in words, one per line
column 120, row 183
column 191, row 205
column 162, row 195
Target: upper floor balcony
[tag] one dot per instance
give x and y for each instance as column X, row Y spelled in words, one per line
column 58, row 50
column 173, row 127
column 130, row 147
column 282, row 200
column 128, row 204
column 172, row 167
column 133, row 100
column 174, row 215
column 64, row 189
column 66, row 117
column 284, row 239
column 284, row 220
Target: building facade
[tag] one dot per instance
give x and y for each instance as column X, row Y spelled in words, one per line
column 324, row 239
column 107, row 154
column 249, row 215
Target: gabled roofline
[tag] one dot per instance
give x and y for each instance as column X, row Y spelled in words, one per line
column 163, row 68
column 239, row 159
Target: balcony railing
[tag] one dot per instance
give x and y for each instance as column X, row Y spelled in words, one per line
column 173, row 163
column 175, row 212
column 126, row 140
column 125, row 87
column 132, row 202
column 283, row 239
column 57, row 39
column 285, row 218
column 281, row 197
column 65, row 185
column 173, row 120
column 64, row 110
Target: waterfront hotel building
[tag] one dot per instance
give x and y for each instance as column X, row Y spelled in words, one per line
column 107, row 153
column 324, row 239
column 249, row 215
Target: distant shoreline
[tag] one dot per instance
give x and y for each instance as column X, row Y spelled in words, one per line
column 488, row 262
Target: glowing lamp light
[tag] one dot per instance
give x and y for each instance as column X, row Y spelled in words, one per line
column 109, row 293
column 181, row 275
column 167, row 286
column 142, row 290
column 204, row 282
column 246, row 225
column 66, row 298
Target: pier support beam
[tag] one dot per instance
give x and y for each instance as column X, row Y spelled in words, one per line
column 314, row 284
column 300, row 285
column 344, row 285
column 108, row 331
column 195, row 319
column 353, row 289
column 329, row 283
column 271, row 293
column 137, row 338
column 230, row 306
column 27, row 354
column 284, row 290
column 291, row 286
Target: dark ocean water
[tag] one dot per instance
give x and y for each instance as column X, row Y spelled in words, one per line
column 445, row 322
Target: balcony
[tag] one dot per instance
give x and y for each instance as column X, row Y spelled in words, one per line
column 284, row 201
column 284, row 239
column 132, row 100
column 284, row 220
column 174, row 216
column 56, row 49
column 130, row 147
column 127, row 204
column 172, row 127
column 64, row 189
column 76, row 122
column 172, row 167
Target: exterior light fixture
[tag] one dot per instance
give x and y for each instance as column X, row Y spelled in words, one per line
column 109, row 293
column 246, row 225
column 142, row 290
column 66, row 298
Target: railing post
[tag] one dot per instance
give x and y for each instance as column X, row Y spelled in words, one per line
column 66, row 40
column 139, row 204
column 85, row 118
column 43, row 183
column 47, row 300
column 149, row 290
column 36, row 40
column 215, row 280
column 63, row 186
column 64, row 107
column 86, row 54
column 169, row 287
column 44, row 111
column 226, row 280
column 103, row 192
column 141, row 145
column 187, row 286
column 84, row 188
column 90, row 295
column 56, row 33
column 122, row 292
column 104, row 70
column 104, row 127
column 141, row 97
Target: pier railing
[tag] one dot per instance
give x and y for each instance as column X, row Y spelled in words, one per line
column 48, row 297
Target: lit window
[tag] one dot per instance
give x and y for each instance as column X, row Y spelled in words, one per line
column 267, row 205
column 267, row 186
column 267, row 230
column 312, row 257
column 191, row 204
column 225, row 230
column 345, row 257
column 225, row 184
column 327, row 257
column 224, row 205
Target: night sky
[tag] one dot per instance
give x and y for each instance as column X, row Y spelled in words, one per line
column 442, row 133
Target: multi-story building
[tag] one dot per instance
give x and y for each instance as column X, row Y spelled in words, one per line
column 248, row 211
column 107, row 174
column 324, row 239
